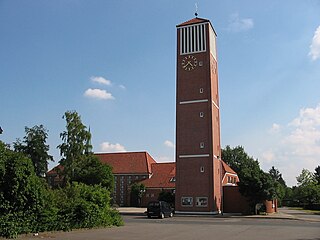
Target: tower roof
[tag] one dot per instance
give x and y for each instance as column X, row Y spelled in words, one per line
column 196, row 20
column 193, row 21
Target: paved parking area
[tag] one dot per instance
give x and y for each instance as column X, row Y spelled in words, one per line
column 138, row 226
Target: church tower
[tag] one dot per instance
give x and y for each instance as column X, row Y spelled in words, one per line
column 198, row 150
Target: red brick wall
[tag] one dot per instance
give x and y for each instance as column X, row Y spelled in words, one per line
column 233, row 201
column 121, row 193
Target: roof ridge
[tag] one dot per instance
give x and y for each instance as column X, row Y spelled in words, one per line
column 100, row 153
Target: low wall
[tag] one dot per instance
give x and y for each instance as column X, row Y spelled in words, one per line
column 233, row 201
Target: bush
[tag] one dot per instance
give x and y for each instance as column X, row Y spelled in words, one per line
column 28, row 205
column 86, row 207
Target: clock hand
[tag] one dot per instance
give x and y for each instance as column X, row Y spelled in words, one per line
column 189, row 62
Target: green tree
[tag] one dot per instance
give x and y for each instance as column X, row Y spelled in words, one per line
column 254, row 183
column 305, row 178
column 166, row 196
column 76, row 143
column 308, row 190
column 279, row 183
column 91, row 171
column 317, row 174
column 137, row 192
column 277, row 176
column 28, row 205
column 34, row 146
column 21, row 193
column 79, row 163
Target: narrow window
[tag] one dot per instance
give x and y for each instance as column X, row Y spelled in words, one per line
column 201, row 90
column 202, row 145
column 201, row 114
column 202, row 169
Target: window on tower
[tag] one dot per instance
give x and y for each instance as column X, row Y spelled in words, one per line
column 202, row 145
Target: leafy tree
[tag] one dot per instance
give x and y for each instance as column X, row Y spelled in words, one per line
column 79, row 163
column 305, row 178
column 317, row 174
column 277, row 176
column 76, row 143
column 91, row 171
column 166, row 196
column 27, row 205
column 254, row 183
column 34, row 146
column 279, row 183
column 21, row 193
column 137, row 192
column 308, row 190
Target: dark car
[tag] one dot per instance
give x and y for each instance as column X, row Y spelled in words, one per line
column 159, row 209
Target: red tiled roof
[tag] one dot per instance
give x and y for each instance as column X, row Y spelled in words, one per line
column 54, row 170
column 193, row 21
column 128, row 162
column 162, row 173
column 227, row 168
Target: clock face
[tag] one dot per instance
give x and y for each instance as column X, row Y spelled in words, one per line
column 189, row 63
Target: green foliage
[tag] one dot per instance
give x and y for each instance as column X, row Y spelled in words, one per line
column 79, row 163
column 28, row 205
column 254, row 183
column 137, row 192
column 166, row 196
column 305, row 178
column 307, row 193
column 76, row 143
column 34, row 146
column 317, row 174
column 21, row 193
column 84, row 206
column 279, row 184
column 91, row 171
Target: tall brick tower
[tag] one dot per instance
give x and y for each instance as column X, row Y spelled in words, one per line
column 198, row 151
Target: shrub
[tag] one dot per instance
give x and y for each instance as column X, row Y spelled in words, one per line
column 28, row 205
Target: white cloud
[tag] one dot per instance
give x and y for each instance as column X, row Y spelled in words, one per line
column 122, row 87
column 169, row 144
column 100, row 80
column 98, row 93
column 315, row 45
column 296, row 147
column 237, row 24
column 109, row 147
column 275, row 128
column 268, row 156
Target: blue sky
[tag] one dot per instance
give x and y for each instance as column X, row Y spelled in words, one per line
column 114, row 62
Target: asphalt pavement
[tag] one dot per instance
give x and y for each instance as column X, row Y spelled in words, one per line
column 283, row 213
column 287, row 224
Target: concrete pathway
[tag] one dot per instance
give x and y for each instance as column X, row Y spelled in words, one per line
column 298, row 214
